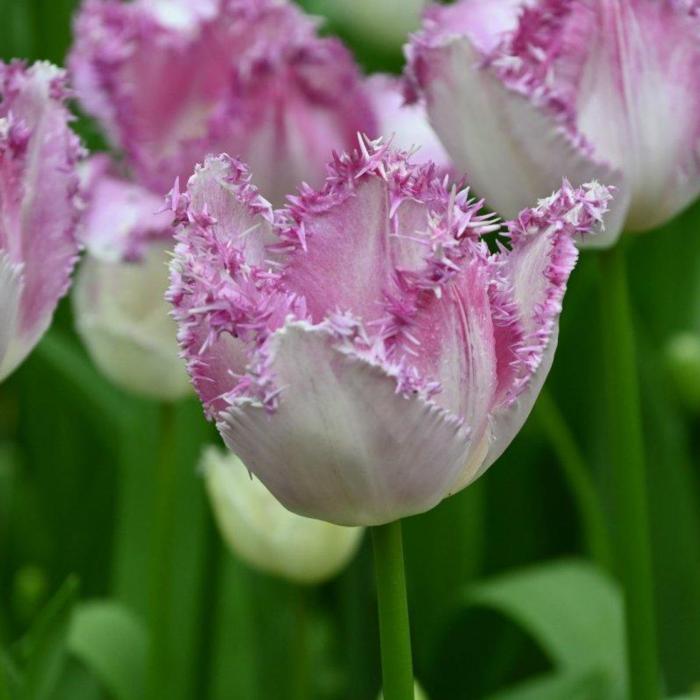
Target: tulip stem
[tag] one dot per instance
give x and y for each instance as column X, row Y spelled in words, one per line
column 578, row 477
column 630, row 523
column 160, row 601
column 394, row 631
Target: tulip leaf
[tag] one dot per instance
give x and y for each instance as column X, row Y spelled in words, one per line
column 112, row 642
column 43, row 649
column 575, row 614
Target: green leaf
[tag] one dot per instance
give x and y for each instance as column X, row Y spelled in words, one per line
column 113, row 643
column 43, row 649
column 10, row 679
column 573, row 611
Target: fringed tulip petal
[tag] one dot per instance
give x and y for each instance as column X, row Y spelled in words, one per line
column 573, row 88
column 343, row 445
column 172, row 82
column 379, row 351
column 38, row 155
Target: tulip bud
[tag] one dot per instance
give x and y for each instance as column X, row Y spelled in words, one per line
column 124, row 321
column 119, row 304
column 683, row 361
column 264, row 533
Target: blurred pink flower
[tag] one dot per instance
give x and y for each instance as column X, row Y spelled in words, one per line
column 523, row 92
column 361, row 350
column 174, row 81
column 39, row 206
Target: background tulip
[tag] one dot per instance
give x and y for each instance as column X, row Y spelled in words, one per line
column 39, row 205
column 172, row 82
column 264, row 533
column 120, row 310
column 524, row 93
column 365, row 331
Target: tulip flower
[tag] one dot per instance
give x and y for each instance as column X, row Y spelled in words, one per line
column 119, row 304
column 173, row 81
column 406, row 125
column 264, row 533
column 39, row 204
column 361, row 350
column 523, row 93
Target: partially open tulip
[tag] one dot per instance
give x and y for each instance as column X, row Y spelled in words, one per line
column 120, row 310
column 39, row 205
column 361, row 350
column 264, row 533
column 525, row 92
column 174, row 81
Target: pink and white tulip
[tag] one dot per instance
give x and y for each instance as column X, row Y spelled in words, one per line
column 174, row 81
column 361, row 350
column 523, row 92
column 39, row 205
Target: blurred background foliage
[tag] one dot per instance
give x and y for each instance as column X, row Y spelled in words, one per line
column 509, row 594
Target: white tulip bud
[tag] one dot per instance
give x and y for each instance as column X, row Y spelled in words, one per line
column 124, row 320
column 264, row 533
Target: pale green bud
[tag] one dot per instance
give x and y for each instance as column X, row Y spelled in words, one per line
column 124, row 321
column 264, row 533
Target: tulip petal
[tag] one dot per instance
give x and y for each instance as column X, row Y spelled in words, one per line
column 10, row 293
column 536, row 272
column 513, row 149
column 224, row 289
column 343, row 445
column 639, row 102
column 39, row 201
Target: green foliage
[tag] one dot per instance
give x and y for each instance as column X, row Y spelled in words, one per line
column 113, row 643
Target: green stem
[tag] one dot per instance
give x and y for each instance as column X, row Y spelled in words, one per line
column 575, row 471
column 628, row 477
column 394, row 632
column 163, row 552
column 300, row 654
